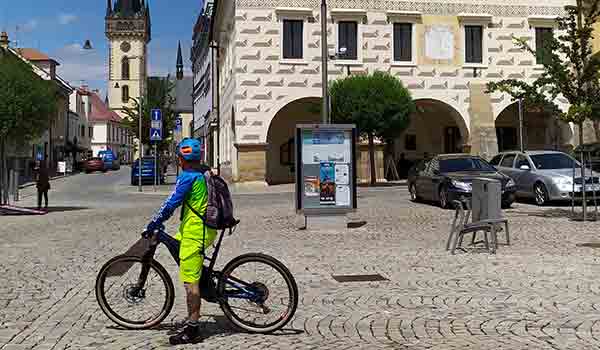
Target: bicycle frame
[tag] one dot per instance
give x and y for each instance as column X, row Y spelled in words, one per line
column 242, row 290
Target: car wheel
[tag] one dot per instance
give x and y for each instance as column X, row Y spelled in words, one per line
column 443, row 197
column 412, row 189
column 541, row 194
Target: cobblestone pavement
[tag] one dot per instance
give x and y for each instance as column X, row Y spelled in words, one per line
column 542, row 292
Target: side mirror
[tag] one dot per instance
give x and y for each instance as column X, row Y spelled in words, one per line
column 525, row 167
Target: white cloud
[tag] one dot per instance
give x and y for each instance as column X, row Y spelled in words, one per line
column 67, row 18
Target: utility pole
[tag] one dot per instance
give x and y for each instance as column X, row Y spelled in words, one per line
column 522, row 146
column 324, row 54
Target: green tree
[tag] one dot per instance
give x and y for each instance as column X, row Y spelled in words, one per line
column 570, row 69
column 378, row 104
column 159, row 95
column 27, row 105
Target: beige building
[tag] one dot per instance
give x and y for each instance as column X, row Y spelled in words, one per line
column 443, row 51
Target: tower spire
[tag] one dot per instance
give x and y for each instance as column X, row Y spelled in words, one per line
column 179, row 62
column 108, row 8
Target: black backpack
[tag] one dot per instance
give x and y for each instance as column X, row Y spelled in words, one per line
column 219, row 211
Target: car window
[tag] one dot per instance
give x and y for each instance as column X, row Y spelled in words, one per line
column 553, row 161
column 508, row 161
column 496, row 160
column 521, row 160
column 465, row 164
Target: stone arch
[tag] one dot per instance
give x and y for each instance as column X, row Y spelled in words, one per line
column 280, row 152
column 540, row 130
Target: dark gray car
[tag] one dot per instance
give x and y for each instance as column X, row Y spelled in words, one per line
column 545, row 175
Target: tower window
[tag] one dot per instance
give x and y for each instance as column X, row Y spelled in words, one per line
column 125, row 68
column 125, row 94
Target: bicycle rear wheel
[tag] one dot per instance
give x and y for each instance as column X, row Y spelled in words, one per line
column 125, row 302
column 258, row 293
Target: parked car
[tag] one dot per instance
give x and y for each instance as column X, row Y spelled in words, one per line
column 110, row 161
column 449, row 177
column 545, row 175
column 148, row 171
column 94, row 164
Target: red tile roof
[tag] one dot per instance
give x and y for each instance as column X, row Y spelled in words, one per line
column 34, row 55
column 100, row 111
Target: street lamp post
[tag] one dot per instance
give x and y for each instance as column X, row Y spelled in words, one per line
column 140, row 112
column 324, row 56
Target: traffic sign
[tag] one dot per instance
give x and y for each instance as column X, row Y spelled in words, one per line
column 156, row 115
column 155, row 134
column 178, row 124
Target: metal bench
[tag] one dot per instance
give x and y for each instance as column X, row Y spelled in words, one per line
column 461, row 227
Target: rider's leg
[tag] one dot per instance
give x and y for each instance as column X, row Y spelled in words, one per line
column 194, row 301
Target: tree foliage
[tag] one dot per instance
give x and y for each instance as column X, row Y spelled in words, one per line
column 159, row 95
column 378, row 104
column 570, row 69
column 27, row 102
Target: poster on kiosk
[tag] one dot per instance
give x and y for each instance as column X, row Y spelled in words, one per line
column 326, row 168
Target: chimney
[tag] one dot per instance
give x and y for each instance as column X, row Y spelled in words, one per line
column 4, row 40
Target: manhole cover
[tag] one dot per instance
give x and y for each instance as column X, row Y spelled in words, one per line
column 589, row 245
column 359, row 278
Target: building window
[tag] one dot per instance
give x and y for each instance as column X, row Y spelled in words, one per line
column 125, row 68
column 410, row 142
column 293, row 38
column 474, row 44
column 403, row 42
column 286, row 153
column 90, row 132
column 543, row 38
column 125, row 94
column 82, row 131
column 348, row 40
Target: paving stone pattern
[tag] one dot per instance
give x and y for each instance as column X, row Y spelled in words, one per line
column 542, row 292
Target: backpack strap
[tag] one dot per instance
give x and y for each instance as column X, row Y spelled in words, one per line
column 203, row 225
column 194, row 211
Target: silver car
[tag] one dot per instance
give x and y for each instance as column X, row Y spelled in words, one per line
column 546, row 175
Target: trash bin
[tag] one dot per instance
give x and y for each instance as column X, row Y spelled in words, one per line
column 487, row 199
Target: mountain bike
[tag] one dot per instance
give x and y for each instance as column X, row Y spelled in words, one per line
column 256, row 292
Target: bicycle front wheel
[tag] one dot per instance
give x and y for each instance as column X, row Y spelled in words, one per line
column 258, row 293
column 125, row 301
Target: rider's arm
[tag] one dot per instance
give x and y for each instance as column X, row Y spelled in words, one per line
column 183, row 186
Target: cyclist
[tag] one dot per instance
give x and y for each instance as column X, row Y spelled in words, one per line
column 193, row 236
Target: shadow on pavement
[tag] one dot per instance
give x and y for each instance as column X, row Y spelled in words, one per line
column 221, row 326
column 383, row 184
column 62, row 209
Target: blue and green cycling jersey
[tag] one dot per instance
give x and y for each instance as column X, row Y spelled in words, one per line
column 190, row 187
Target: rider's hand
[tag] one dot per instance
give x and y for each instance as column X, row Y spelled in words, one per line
column 151, row 229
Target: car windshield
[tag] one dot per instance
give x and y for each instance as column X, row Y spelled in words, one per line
column 465, row 164
column 553, row 161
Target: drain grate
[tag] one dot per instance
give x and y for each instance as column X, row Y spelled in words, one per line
column 359, row 278
column 589, row 245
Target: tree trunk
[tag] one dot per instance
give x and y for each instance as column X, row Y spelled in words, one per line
column 372, row 159
column 581, row 133
column 597, row 130
column 3, row 189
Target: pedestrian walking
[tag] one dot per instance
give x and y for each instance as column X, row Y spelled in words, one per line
column 43, row 184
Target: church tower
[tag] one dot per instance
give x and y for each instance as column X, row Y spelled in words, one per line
column 128, row 30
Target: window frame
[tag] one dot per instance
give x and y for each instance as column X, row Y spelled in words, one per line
column 349, row 15
column 302, row 37
column 123, row 89
column 535, row 33
column 482, row 20
column 413, row 38
column 299, row 14
column 125, row 61
column 500, row 157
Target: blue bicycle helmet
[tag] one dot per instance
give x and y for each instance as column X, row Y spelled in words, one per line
column 190, row 149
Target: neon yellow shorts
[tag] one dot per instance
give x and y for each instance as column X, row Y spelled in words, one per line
column 190, row 253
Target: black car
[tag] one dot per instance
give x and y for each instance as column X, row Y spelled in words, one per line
column 449, row 177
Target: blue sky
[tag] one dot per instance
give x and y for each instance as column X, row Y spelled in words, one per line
column 60, row 27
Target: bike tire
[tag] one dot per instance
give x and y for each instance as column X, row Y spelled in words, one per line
column 279, row 267
column 120, row 320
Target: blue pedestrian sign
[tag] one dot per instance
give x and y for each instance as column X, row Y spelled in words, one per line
column 156, row 125
column 155, row 134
